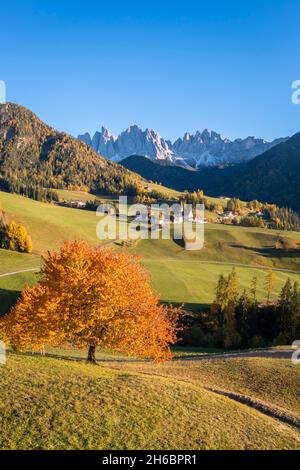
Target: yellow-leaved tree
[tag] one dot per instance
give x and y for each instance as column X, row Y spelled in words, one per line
column 93, row 297
column 14, row 237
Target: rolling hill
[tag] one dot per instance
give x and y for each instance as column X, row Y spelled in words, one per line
column 175, row 176
column 54, row 403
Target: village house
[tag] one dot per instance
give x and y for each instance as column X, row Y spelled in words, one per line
column 78, row 204
column 228, row 217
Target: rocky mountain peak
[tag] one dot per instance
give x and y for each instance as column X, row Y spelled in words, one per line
column 206, row 148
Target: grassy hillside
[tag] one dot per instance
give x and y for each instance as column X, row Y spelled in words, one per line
column 49, row 225
column 67, row 195
column 194, row 284
column 51, row 403
column 273, row 381
column 190, row 276
column 178, row 275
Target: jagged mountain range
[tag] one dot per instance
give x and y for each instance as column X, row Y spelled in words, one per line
column 33, row 154
column 202, row 149
column 132, row 141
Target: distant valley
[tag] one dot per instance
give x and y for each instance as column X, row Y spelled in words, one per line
column 270, row 177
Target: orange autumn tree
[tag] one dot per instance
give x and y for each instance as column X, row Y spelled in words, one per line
column 93, row 297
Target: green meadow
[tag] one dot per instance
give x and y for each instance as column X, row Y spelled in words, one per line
column 178, row 276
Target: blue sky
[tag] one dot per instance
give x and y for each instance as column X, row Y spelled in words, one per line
column 169, row 65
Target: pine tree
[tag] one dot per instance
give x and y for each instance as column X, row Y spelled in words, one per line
column 253, row 288
column 242, row 315
column 225, row 303
column 296, row 308
column 233, row 285
column 269, row 284
column 221, row 292
column 289, row 311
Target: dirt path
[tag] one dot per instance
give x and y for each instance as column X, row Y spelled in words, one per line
column 20, row 272
column 222, row 263
column 13, row 273
column 268, row 353
column 267, row 409
column 259, row 405
column 272, row 354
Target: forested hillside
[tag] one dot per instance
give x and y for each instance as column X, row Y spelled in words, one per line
column 33, row 155
column 271, row 177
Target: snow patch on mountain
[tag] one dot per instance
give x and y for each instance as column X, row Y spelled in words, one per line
column 205, row 148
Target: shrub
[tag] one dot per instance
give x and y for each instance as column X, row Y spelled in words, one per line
column 14, row 237
column 258, row 342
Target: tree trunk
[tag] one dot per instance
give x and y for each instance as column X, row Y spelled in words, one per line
column 92, row 354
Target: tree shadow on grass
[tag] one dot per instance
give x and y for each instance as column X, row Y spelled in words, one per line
column 179, row 242
column 69, row 357
column 270, row 252
column 8, row 299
